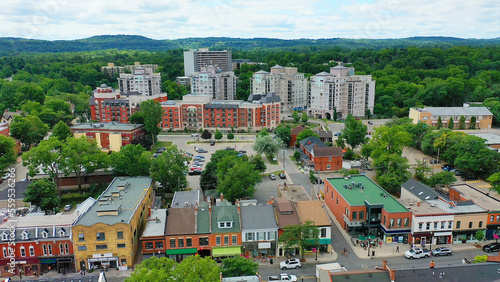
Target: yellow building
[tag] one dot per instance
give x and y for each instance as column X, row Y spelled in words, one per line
column 108, row 234
column 109, row 136
column 430, row 116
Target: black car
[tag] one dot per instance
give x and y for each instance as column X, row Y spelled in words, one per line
column 229, row 149
column 242, row 151
column 282, row 176
column 459, row 173
column 493, row 247
column 468, row 177
column 195, row 172
column 212, row 143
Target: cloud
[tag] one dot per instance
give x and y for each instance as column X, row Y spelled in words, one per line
column 170, row 19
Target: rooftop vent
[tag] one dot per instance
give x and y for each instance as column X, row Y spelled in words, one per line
column 428, row 197
column 411, row 203
column 420, row 193
column 345, row 186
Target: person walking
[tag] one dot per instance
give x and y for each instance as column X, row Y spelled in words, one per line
column 397, row 249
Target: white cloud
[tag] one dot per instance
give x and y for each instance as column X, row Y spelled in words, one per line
column 170, row 19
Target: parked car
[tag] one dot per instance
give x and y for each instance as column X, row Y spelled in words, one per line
column 199, row 157
column 290, row 263
column 282, row 176
column 7, row 175
column 198, row 160
column 370, row 122
column 283, row 277
column 212, row 143
column 272, row 176
column 441, row 251
column 68, row 207
column 230, row 148
column 242, row 151
column 459, row 172
column 195, row 172
column 492, row 247
column 338, row 134
column 417, row 253
column 195, row 135
column 468, row 177
column 201, row 150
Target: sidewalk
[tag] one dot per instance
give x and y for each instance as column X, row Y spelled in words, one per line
column 110, row 274
column 309, row 257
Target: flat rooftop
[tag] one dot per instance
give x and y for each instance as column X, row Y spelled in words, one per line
column 156, row 223
column 489, row 201
column 106, row 126
column 459, row 208
column 372, row 193
column 424, row 208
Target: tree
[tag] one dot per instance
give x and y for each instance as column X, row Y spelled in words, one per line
column 169, row 169
column 208, row 179
column 451, row 125
column 238, row 266
column 392, row 171
column 83, row 157
column 206, row 135
column 302, row 236
column 494, row 180
column 137, row 118
column 421, row 170
column 61, row 131
column 296, row 156
column 266, row 145
column 444, row 178
column 7, row 153
column 295, row 116
column 368, row 113
column 354, row 132
column 42, row 193
column 304, row 117
column 131, row 154
column 389, row 140
column 479, row 235
column 236, row 178
column 143, row 140
column 258, row 163
column 151, row 112
column 461, row 123
column 472, row 122
column 335, row 114
column 263, row 132
column 230, row 136
column 153, row 269
column 29, row 130
column 196, row 268
column 283, row 132
column 439, row 123
column 47, row 157
column 305, row 134
column 218, row 135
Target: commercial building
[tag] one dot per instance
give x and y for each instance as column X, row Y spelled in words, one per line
column 109, row 136
column 364, row 208
column 218, row 85
column 194, row 60
column 286, row 82
column 181, row 236
column 141, row 82
column 184, row 199
column 315, row 212
column 431, row 115
column 259, row 231
column 341, row 91
column 108, row 234
column 153, row 237
column 286, row 213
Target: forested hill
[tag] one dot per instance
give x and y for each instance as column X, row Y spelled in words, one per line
column 134, row 42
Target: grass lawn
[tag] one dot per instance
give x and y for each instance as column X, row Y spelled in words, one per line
column 162, row 144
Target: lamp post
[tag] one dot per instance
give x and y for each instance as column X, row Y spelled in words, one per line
column 316, row 251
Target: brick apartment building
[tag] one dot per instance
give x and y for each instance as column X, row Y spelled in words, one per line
column 109, row 136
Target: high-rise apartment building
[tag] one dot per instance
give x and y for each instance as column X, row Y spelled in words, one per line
column 112, row 70
column 219, row 85
column 285, row 82
column 141, row 82
column 341, row 91
column 194, row 60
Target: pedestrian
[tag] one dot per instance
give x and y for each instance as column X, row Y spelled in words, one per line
column 331, row 252
column 397, row 249
column 381, row 244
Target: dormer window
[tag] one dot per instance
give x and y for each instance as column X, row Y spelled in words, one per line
column 62, row 232
column 25, row 235
column 225, row 224
column 45, row 233
column 5, row 236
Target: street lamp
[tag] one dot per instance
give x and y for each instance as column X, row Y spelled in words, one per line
column 316, row 251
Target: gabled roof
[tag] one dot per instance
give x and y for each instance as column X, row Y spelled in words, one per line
column 270, row 97
column 454, row 111
column 262, row 72
column 181, row 221
column 420, row 190
column 286, row 212
column 324, row 134
column 323, row 73
column 313, row 211
column 225, row 211
column 327, row 152
column 258, row 217
column 296, row 130
column 277, row 67
column 311, row 141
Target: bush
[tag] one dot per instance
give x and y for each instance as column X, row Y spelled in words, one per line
column 479, row 259
column 349, row 155
column 230, row 136
column 296, row 155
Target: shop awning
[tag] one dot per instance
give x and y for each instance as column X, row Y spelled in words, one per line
column 229, row 251
column 362, row 238
column 442, row 233
column 48, row 261
column 373, row 237
column 182, row 251
column 324, row 241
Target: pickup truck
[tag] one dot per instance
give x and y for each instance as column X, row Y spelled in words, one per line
column 282, row 277
column 417, row 253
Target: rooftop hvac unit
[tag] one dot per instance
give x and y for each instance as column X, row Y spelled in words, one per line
column 362, row 187
column 345, row 186
column 359, row 184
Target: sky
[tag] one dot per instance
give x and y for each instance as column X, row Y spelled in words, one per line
column 291, row 19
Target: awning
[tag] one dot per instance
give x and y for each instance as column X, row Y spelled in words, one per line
column 362, row 238
column 324, row 241
column 48, row 261
column 182, row 251
column 442, row 233
column 373, row 237
column 228, row 251
column 103, row 259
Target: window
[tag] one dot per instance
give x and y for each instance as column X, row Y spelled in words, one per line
column 49, row 248
column 443, row 224
column 354, row 215
column 337, row 199
column 32, row 251
column 5, row 236
column 119, row 234
column 159, row 245
column 450, row 224
column 62, row 232
column 420, row 226
column 234, row 240
column 249, row 236
column 385, row 220
column 225, row 224
column 4, row 252
column 80, row 248
column 172, row 243
column 428, row 226
column 458, row 224
column 81, row 237
column 120, row 246
column 399, row 222
column 217, row 240
column 498, row 218
column 180, row 242
column 407, row 221
column 45, row 234
column 226, row 240
column 328, row 166
column 149, row 245
column 61, row 249
column 262, row 236
column 470, row 224
column 361, row 215
column 23, row 251
column 44, row 247
column 203, row 241
column 435, row 225
column 330, row 159
column 189, row 242
column 492, row 218
column 24, row 235
column 101, row 247
column 480, row 224
column 66, row 246
column 100, row 236
column 391, row 222
column 323, row 233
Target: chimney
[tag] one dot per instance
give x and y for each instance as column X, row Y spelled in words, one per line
column 209, row 208
column 418, row 204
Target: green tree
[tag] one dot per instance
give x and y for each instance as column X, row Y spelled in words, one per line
column 421, row 170
column 296, row 156
column 335, row 114
column 266, row 145
column 444, row 178
column 302, row 236
column 153, row 269
column 472, row 122
column 230, row 136
column 218, row 135
column 47, row 157
column 295, row 116
column 236, row 178
column 451, row 125
column 479, row 235
column 283, row 132
column 305, row 134
column 169, row 169
column 439, row 123
column 392, row 171
column 238, row 266
column 208, row 179
column 29, row 130
column 61, row 131
column 42, row 193
column 206, row 135
column 131, row 154
column 263, row 132
column 152, row 113
column 461, row 123
column 83, row 157
column 258, row 163
column 389, row 140
column 7, row 152
column 494, row 180
column 137, row 118
column 196, row 268
column 354, row 132
column 480, row 259
column 368, row 114
column 304, row 117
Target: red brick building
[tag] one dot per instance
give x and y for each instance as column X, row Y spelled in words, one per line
column 4, row 129
column 109, row 136
column 294, row 132
column 319, row 156
column 153, row 237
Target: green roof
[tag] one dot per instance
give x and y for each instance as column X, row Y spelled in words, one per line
column 203, row 219
column 130, row 196
column 372, row 193
column 224, row 212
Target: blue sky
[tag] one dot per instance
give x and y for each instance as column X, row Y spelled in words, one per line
column 171, row 19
